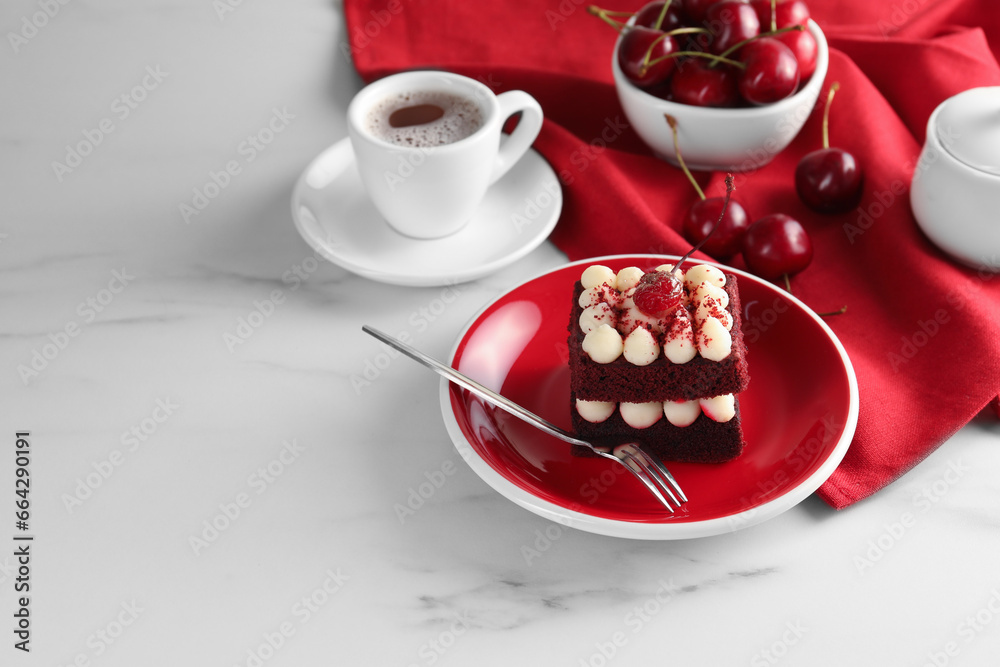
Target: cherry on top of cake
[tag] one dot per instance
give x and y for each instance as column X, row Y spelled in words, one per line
column 640, row 315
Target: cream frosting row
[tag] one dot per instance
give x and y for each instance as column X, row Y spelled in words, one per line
column 643, row 415
column 613, row 326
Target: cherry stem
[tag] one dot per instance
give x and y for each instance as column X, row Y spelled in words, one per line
column 672, row 122
column 646, row 64
column 663, row 15
column 826, row 113
column 774, row 15
column 605, row 15
column 738, row 45
column 841, row 311
column 698, row 54
column 722, row 214
column 688, row 31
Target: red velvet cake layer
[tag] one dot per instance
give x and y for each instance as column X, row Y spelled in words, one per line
column 704, row 441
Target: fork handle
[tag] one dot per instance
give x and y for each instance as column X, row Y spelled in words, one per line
column 466, row 382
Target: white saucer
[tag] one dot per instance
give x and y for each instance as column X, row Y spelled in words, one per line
column 336, row 218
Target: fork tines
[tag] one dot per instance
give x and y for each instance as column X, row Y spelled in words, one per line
column 653, row 474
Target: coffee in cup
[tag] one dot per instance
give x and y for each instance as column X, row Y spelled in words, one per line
column 428, row 145
column 422, row 119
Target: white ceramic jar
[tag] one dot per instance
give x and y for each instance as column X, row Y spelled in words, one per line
column 955, row 193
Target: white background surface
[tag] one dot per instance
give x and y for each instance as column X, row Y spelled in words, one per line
column 468, row 578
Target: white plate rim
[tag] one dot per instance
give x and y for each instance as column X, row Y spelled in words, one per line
column 654, row 531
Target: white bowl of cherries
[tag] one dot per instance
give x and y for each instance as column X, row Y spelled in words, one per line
column 739, row 77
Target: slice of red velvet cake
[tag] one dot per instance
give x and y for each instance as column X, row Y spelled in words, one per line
column 659, row 357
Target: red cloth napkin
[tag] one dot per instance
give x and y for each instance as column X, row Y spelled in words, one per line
column 922, row 332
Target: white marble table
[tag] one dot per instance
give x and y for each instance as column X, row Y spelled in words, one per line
column 197, row 501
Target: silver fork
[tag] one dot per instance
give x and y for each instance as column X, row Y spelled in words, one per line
column 647, row 469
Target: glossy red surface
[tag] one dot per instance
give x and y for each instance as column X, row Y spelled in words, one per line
column 794, row 411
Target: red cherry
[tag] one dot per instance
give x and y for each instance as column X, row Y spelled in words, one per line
column 657, row 293
column 829, row 180
column 715, row 224
column 777, row 245
column 771, row 73
column 636, row 58
column 696, row 83
column 650, row 14
column 727, row 240
column 730, row 22
column 806, row 51
column 696, row 9
column 788, row 12
column 662, row 89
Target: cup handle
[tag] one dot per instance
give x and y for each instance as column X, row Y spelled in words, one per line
column 524, row 134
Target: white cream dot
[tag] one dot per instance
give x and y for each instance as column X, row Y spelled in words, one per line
column 603, row 345
column 641, row 415
column 590, row 297
column 597, row 274
column 709, row 307
column 594, row 316
column 628, row 278
column 704, row 273
column 714, row 342
column 681, row 413
column 719, row 408
column 595, row 411
column 641, row 348
column 708, row 289
column 680, row 347
column 669, row 268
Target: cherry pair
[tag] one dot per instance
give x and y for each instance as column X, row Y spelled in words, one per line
column 774, row 246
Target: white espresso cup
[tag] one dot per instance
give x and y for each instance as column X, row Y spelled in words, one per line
column 430, row 191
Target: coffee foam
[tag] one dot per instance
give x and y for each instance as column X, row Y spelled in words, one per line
column 462, row 117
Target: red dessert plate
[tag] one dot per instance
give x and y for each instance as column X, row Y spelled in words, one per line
column 799, row 415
